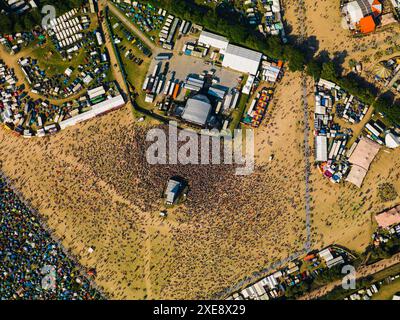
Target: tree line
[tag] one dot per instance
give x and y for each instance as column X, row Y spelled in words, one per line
column 225, row 20
column 11, row 22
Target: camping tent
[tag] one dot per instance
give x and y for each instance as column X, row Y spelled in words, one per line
column 392, row 141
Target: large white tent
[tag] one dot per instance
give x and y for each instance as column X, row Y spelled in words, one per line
column 321, row 148
column 242, row 59
column 356, row 10
column 213, row 40
column 361, row 160
column 392, row 141
column 98, row 109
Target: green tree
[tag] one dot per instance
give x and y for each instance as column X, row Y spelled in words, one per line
column 298, row 290
column 5, row 23
column 295, row 57
column 314, row 69
column 391, row 111
column 329, row 71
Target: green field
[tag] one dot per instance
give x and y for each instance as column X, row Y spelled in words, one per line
column 54, row 65
column 135, row 74
column 387, row 291
column 339, row 293
column 52, row 62
column 238, row 112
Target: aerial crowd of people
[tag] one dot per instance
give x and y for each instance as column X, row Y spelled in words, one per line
column 33, row 265
column 219, row 206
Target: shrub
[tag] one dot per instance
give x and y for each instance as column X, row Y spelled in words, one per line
column 387, row 192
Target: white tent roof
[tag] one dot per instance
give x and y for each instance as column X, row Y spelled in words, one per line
column 392, row 141
column 242, row 59
column 244, row 53
column 326, row 254
column 354, row 11
column 276, row 6
column 320, row 109
column 356, row 175
column 214, row 40
column 172, row 190
column 321, row 148
column 358, row 9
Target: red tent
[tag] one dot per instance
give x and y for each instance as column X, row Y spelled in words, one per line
column 367, row 24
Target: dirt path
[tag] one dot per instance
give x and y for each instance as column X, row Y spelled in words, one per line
column 147, row 264
column 361, row 272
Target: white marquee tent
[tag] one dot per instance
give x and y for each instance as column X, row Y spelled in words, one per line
column 242, row 59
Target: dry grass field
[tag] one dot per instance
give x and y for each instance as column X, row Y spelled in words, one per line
column 343, row 213
column 323, row 25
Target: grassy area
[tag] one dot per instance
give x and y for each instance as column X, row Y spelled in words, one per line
column 52, row 62
column 135, row 74
column 339, row 293
column 153, row 33
column 387, row 291
column 384, row 120
column 238, row 112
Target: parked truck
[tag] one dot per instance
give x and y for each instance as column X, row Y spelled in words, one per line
column 176, row 91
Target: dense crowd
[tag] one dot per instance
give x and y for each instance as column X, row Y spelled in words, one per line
column 219, row 205
column 33, row 266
